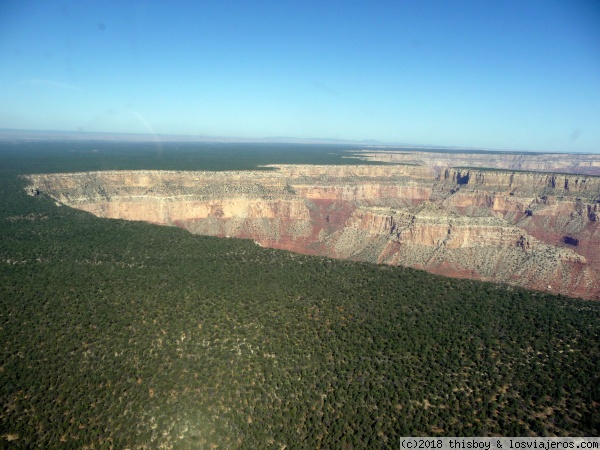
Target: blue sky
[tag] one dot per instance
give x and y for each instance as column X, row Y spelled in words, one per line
column 492, row 74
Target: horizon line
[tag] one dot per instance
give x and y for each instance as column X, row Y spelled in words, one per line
column 52, row 135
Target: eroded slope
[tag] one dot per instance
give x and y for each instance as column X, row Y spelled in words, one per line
column 536, row 230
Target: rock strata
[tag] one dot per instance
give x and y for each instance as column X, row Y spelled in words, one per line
column 538, row 162
column 537, row 230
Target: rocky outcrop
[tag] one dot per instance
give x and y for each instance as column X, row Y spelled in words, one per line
column 537, row 230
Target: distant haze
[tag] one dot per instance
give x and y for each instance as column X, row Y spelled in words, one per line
column 502, row 75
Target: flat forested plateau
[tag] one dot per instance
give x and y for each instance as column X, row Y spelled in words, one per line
column 128, row 335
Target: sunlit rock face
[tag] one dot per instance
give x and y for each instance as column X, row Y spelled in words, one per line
column 537, row 230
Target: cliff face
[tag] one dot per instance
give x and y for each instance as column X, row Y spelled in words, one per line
column 537, row 230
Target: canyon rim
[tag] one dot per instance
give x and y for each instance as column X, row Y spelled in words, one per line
column 540, row 230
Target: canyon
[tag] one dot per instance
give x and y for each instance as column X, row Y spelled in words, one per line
column 532, row 229
column 588, row 164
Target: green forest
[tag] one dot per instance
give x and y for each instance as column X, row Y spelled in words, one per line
column 118, row 334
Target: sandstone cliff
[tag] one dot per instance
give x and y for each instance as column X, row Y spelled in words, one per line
column 537, row 230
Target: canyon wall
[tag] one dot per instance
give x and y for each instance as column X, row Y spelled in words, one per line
column 539, row 162
column 536, row 230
